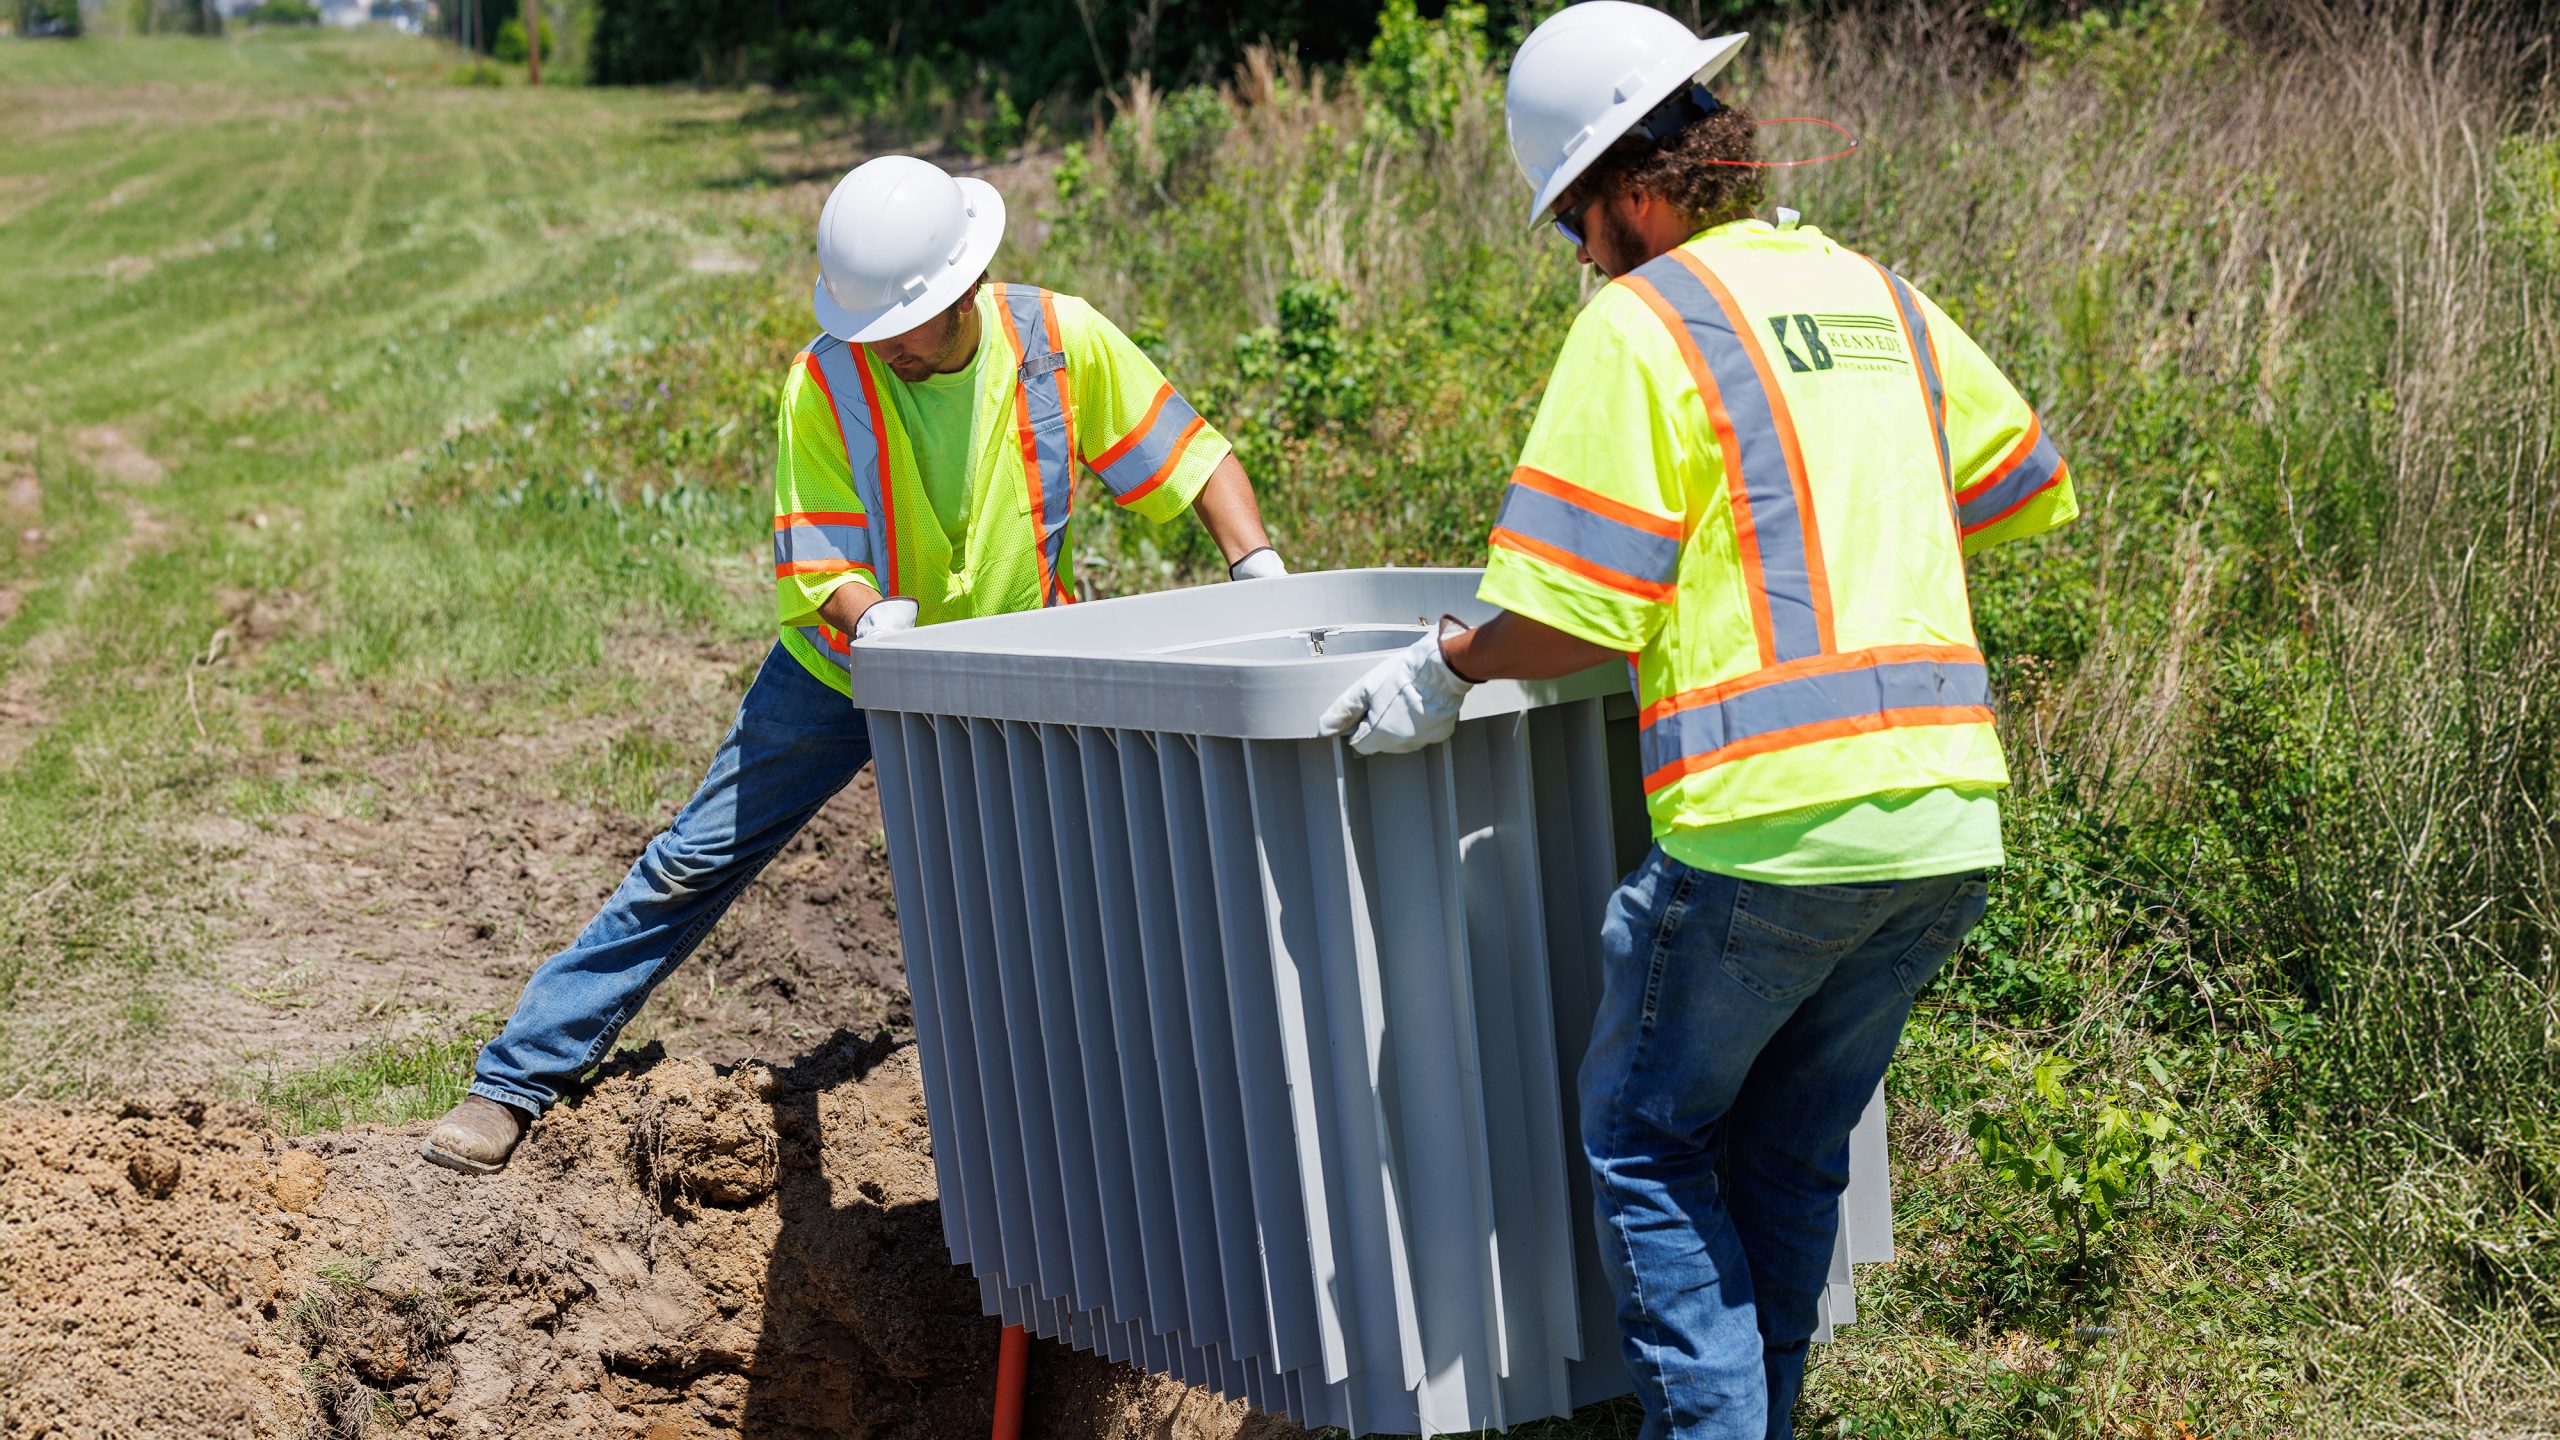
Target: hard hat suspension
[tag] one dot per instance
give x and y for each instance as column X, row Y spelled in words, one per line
column 1679, row 110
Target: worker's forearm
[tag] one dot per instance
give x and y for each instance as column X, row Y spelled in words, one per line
column 1227, row 510
column 1509, row 647
column 844, row 608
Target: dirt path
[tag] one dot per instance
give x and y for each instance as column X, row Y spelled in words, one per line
column 440, row 900
column 682, row 1253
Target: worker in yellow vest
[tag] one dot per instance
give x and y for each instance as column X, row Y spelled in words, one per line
column 928, row 443
column 1755, row 474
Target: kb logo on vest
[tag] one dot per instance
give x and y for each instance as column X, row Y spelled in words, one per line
column 1811, row 333
column 1844, row 342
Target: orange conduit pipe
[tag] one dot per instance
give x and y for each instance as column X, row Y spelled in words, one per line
column 1013, row 1364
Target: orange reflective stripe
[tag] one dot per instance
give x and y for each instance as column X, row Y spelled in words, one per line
column 2029, row 470
column 2016, row 457
column 1598, row 504
column 1031, row 476
column 1172, row 461
column 819, row 517
column 819, row 567
column 1729, row 450
column 1820, row 730
column 1066, row 386
column 1597, row 574
column 1914, row 345
column 1817, row 573
column 1136, row 433
column 880, row 438
column 1811, row 665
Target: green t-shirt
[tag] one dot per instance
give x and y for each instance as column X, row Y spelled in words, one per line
column 939, row 414
column 1899, row 835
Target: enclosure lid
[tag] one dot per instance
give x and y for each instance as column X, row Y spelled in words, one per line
column 1257, row 659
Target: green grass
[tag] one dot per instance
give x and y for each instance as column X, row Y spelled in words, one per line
column 385, row 1082
column 294, row 270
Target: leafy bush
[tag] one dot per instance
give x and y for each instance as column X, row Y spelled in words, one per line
column 173, row 17
column 2085, row 1156
column 281, row 12
column 50, row 19
column 1423, row 75
column 509, row 49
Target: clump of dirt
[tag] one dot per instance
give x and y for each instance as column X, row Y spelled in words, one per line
column 683, row 1252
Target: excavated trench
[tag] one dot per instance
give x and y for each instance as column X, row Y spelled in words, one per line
column 682, row 1251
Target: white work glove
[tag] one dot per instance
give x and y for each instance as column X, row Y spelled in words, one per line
column 1410, row 700
column 887, row 616
column 1262, row 564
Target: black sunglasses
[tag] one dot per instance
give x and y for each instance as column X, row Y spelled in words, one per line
column 1571, row 236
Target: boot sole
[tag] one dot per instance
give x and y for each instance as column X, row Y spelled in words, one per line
column 463, row 1163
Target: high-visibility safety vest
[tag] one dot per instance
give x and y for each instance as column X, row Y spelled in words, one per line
column 1757, row 469
column 850, row 505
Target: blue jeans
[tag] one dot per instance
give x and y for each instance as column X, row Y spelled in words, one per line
column 795, row 743
column 1742, row 1027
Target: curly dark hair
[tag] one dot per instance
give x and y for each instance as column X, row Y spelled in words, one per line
column 1680, row 169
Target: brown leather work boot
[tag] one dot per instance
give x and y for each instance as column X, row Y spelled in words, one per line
column 475, row 1137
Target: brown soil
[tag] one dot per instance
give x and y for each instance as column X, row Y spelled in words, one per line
column 107, row 451
column 21, row 517
column 682, row 1252
column 417, row 884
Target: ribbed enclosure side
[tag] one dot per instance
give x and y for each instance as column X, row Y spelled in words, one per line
column 1251, row 1061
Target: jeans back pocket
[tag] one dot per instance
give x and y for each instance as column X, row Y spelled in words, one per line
column 1785, row 940
column 1917, row 966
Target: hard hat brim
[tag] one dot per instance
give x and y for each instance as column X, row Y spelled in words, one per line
column 1710, row 56
column 986, row 232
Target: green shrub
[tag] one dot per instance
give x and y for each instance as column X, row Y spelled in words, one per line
column 2087, row 1157
column 50, row 18
column 1423, row 75
column 509, row 49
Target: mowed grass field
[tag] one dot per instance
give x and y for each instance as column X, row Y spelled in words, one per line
column 257, row 290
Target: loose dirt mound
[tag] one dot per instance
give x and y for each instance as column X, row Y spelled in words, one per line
column 681, row 1253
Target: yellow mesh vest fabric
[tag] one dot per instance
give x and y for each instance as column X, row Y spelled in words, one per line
column 989, row 563
column 1757, row 508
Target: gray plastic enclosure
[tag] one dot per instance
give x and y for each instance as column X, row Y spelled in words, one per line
column 1249, row 1060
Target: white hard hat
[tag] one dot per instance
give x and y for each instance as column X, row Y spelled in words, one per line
column 1587, row 76
column 898, row 242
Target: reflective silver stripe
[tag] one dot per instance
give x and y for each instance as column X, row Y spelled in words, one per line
column 1995, row 499
column 806, row 544
column 1610, row 544
column 841, row 367
column 1869, row 690
column 1042, row 359
column 1143, row 455
column 817, row 638
column 1786, row 575
column 1917, row 325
